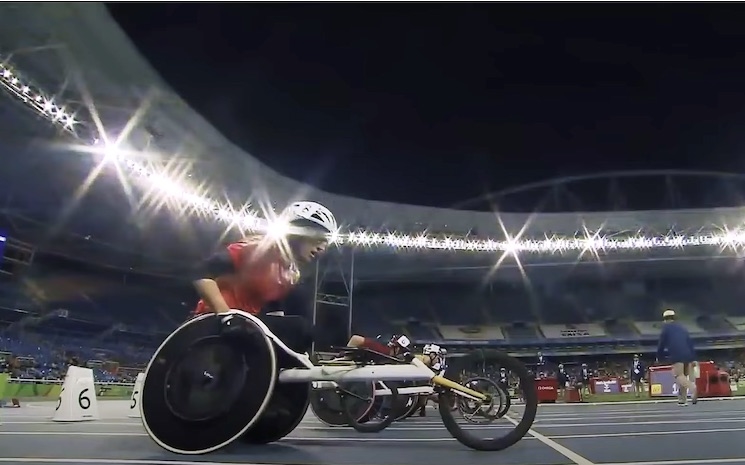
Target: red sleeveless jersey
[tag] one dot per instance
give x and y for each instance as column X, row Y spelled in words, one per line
column 260, row 275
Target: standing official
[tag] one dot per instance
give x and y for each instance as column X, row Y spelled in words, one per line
column 563, row 379
column 637, row 375
column 677, row 342
column 583, row 382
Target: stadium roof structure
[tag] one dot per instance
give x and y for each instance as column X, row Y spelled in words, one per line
column 73, row 80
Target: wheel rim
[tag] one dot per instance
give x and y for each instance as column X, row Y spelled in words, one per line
column 206, row 382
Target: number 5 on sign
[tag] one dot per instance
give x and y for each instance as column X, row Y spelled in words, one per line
column 134, row 401
column 59, row 399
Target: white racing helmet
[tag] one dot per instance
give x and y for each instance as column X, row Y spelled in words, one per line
column 309, row 216
column 432, row 349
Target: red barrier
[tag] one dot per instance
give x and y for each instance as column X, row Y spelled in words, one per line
column 710, row 382
column 547, row 389
column 572, row 395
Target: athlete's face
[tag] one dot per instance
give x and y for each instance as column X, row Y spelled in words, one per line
column 310, row 248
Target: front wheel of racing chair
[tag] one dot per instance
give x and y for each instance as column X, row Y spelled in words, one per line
column 383, row 413
column 409, row 407
column 493, row 409
column 204, row 387
column 326, row 403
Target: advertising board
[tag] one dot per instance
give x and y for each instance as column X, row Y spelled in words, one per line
column 662, row 383
column 608, row 386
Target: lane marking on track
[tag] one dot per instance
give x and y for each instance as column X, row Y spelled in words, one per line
column 631, row 422
column 195, row 462
column 646, row 433
column 92, row 424
column 641, row 414
column 120, row 461
column 420, row 427
column 641, row 403
column 438, row 426
column 378, row 439
column 682, row 462
column 288, row 439
column 565, row 451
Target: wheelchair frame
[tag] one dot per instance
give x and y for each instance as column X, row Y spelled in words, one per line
column 351, row 372
column 312, row 374
column 380, row 389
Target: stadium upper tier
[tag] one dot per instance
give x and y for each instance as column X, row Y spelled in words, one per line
column 574, row 310
column 118, row 78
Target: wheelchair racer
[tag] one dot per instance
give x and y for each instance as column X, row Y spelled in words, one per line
column 438, row 364
column 250, row 274
column 397, row 346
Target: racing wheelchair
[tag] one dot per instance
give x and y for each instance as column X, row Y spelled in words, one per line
column 206, row 388
column 372, row 399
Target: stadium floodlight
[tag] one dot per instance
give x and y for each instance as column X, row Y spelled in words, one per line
column 12, row 82
column 176, row 189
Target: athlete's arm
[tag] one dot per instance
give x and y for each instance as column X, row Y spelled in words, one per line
column 204, row 279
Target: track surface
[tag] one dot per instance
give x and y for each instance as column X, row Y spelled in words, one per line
column 709, row 433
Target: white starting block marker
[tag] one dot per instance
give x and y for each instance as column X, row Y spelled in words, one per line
column 77, row 400
column 134, row 401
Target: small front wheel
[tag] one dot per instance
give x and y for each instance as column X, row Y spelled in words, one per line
column 494, row 409
column 382, row 419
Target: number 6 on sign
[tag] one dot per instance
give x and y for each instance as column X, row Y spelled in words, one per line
column 83, row 401
column 77, row 399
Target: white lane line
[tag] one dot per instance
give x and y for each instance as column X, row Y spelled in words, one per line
column 631, row 422
column 566, row 452
column 194, row 462
column 682, row 462
column 412, row 427
column 71, row 433
column 646, row 433
column 117, row 461
column 378, row 439
column 288, row 438
column 642, row 404
column 651, row 414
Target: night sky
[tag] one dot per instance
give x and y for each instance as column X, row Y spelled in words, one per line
column 435, row 104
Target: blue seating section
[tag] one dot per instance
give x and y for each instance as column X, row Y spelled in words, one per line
column 51, row 319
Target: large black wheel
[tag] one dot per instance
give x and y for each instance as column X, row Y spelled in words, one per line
column 285, row 411
column 406, row 405
column 521, row 427
column 326, row 404
column 373, row 423
column 204, row 388
column 409, row 405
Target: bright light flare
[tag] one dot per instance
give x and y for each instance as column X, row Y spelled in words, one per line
column 170, row 186
column 277, row 229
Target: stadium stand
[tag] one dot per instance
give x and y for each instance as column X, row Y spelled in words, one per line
column 520, row 331
column 482, row 333
column 653, row 328
column 113, row 319
column 567, row 331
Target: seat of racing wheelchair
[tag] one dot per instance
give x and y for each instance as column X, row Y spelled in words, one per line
column 210, row 384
